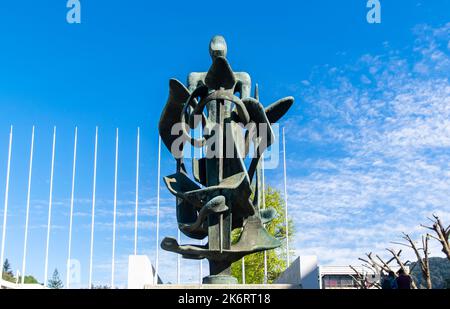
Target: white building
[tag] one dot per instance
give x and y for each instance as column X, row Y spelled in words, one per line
column 306, row 272
column 342, row 277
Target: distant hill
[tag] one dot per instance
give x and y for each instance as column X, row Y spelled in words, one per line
column 440, row 273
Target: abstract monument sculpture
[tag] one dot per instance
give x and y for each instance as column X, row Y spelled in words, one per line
column 223, row 194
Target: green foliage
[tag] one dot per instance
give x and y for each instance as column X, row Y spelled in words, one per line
column 30, row 280
column 7, row 267
column 55, row 282
column 7, row 273
column 276, row 259
column 8, row 277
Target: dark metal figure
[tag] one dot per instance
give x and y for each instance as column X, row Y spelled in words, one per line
column 224, row 194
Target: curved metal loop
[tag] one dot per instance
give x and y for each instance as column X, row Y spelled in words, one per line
column 200, row 91
column 224, row 95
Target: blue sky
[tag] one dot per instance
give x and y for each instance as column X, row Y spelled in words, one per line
column 368, row 137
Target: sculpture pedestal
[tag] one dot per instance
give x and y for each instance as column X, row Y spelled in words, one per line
column 220, row 279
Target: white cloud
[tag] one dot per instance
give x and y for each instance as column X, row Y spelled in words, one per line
column 391, row 125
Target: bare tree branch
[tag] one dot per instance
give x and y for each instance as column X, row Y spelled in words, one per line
column 423, row 261
column 359, row 279
column 442, row 234
column 401, row 265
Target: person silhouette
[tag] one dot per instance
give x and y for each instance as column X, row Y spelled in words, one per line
column 389, row 282
column 403, row 280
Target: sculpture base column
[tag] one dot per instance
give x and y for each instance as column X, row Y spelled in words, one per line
column 219, row 279
column 220, row 273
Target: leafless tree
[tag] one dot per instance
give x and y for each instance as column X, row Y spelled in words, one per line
column 359, row 279
column 362, row 281
column 381, row 267
column 442, row 234
column 376, row 265
column 403, row 265
column 423, row 261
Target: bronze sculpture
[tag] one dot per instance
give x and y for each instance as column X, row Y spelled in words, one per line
column 225, row 195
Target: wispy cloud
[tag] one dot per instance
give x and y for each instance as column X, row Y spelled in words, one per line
column 380, row 133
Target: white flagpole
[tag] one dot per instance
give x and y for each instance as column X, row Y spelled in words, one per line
column 50, row 198
column 28, row 208
column 200, row 262
column 178, row 260
column 286, row 222
column 264, row 206
column 137, row 194
column 243, row 270
column 115, row 210
column 71, row 208
column 157, row 211
column 200, row 267
column 5, row 211
column 93, row 208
